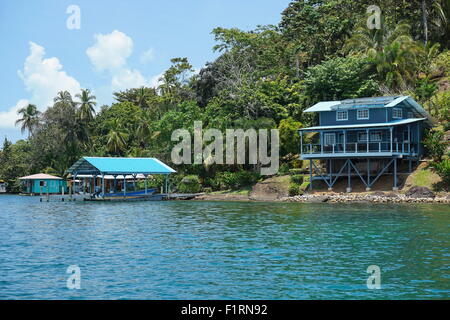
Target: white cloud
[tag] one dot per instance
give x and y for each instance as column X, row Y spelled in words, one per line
column 110, row 51
column 8, row 118
column 147, row 56
column 127, row 78
column 43, row 78
column 155, row 80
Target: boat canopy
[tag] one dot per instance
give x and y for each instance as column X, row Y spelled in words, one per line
column 119, row 166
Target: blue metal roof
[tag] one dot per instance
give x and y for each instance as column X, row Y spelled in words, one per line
column 99, row 165
column 374, row 102
column 365, row 125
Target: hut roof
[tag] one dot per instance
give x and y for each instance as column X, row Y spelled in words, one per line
column 40, row 176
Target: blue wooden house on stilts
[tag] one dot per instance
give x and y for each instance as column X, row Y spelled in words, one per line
column 366, row 138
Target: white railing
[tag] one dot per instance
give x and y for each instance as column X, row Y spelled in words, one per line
column 361, row 147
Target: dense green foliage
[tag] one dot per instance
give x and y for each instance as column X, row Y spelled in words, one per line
column 263, row 78
column 190, row 184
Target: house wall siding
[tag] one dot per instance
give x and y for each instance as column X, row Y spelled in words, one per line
column 376, row 115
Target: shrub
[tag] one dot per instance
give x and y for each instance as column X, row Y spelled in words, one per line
column 297, row 178
column 295, row 171
column 189, row 184
column 443, row 170
column 207, row 190
column 284, row 169
column 434, row 143
column 297, row 163
column 294, row 189
column 235, row 180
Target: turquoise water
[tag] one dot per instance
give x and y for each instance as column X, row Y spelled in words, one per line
column 222, row 250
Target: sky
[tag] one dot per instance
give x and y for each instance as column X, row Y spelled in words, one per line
column 46, row 46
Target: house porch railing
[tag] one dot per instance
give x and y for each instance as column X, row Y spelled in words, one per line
column 361, row 147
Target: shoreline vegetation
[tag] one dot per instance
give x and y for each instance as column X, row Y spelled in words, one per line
column 262, row 79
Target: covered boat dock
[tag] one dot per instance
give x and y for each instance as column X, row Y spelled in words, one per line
column 107, row 177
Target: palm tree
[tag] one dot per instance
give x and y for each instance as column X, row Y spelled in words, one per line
column 440, row 21
column 394, row 53
column 117, row 138
column 63, row 97
column 369, row 42
column 143, row 131
column 86, row 105
column 141, row 98
column 29, row 119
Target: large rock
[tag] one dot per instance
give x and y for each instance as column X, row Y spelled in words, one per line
column 319, row 199
column 420, row 192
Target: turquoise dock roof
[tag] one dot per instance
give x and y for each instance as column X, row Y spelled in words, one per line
column 119, row 166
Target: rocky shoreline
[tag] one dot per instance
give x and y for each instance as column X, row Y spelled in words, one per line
column 366, row 198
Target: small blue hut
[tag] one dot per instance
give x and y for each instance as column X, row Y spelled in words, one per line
column 42, row 183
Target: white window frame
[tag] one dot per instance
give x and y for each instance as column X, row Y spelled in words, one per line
column 358, row 117
column 328, row 135
column 399, row 114
column 376, row 133
column 342, row 112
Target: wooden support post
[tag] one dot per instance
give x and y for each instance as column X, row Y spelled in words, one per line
column 349, row 186
column 145, row 183
column 418, row 141
column 368, row 175
column 301, row 142
column 330, row 171
column 124, row 186
column 345, row 141
column 310, row 174
column 395, row 188
column 103, row 185
column 367, row 139
column 321, row 142
column 165, row 184
column 392, row 139
column 409, row 138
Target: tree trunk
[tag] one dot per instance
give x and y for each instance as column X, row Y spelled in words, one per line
column 425, row 21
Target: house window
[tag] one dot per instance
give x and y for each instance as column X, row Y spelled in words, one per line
column 329, row 139
column 341, row 115
column 362, row 114
column 410, row 115
column 397, row 113
column 375, row 136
